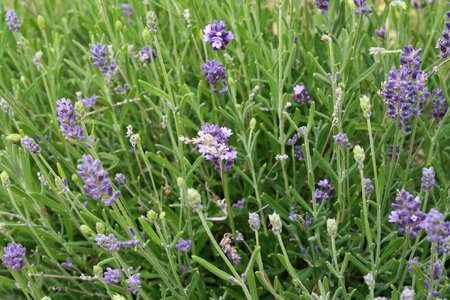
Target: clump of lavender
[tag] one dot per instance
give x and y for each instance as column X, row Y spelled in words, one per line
column 97, row 184
column 228, row 248
column 440, row 104
column 67, row 119
column 301, row 95
column 134, row 283
column 362, row 7
column 127, row 10
column 407, row 214
column 341, row 140
column 215, row 72
column 216, row 35
column 30, row 145
column 147, row 54
column 12, row 21
column 381, row 32
column 254, row 221
column 405, row 90
column 212, row 143
column 323, row 5
column 368, row 186
column 428, row 180
column 98, row 54
column 111, row 275
column 183, row 245
column 444, row 42
column 324, row 191
column 14, row 256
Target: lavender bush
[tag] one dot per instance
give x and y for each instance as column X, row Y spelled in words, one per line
column 224, row 149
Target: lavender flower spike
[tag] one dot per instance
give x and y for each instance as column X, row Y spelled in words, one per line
column 216, row 35
column 428, row 180
column 323, row 5
column 215, row 72
column 108, row 243
column 98, row 54
column 67, row 119
column 407, row 214
column 14, row 256
column 147, row 54
column 301, row 94
column 362, row 7
column 97, row 184
column 444, row 42
column 341, row 140
column 30, row 145
column 440, row 104
column 111, row 275
column 253, row 221
column 12, row 21
column 183, row 245
column 134, row 283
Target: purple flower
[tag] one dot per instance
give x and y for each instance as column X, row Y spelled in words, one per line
column 308, row 220
column 411, row 58
column 292, row 216
column 254, row 221
column 229, row 249
column 390, row 153
column 239, row 236
column 341, row 140
column 67, row 119
column 67, row 264
column 134, row 283
column 13, row 257
column 108, row 243
column 368, row 186
column 440, row 104
column 324, row 191
column 216, row 35
column 362, row 7
column 407, row 214
column 120, row 179
column 381, row 32
column 435, row 227
column 98, row 54
column 444, row 42
column 183, row 245
column 428, row 180
column 30, row 145
column 293, row 139
column 97, row 184
column 437, row 270
column 301, row 94
column 215, row 72
column 303, row 250
column 127, row 10
column 129, row 244
column 239, row 204
column 147, row 54
column 88, row 102
column 12, row 21
column 412, row 262
column 420, row 3
column 111, row 275
column 323, row 5
column 298, row 151
column 212, row 143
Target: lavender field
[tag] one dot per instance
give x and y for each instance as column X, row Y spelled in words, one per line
column 234, row 149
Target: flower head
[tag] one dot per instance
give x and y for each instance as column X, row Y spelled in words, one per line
column 341, row 140
column 332, row 227
column 108, row 243
column 88, row 102
column 407, row 294
column 370, row 281
column 97, row 183
column 127, row 10
column 134, row 283
column 435, row 226
column 183, row 245
column 120, row 179
column 215, row 72
column 444, row 42
column 30, row 145
column 14, row 256
column 111, row 275
column 67, row 264
column 216, row 35
column 228, row 248
column 301, row 94
column 67, row 119
column 381, row 32
column 362, row 7
column 323, row 5
column 253, row 221
column 98, row 54
column 275, row 221
column 407, row 214
column 368, row 186
column 440, row 104
column 147, row 54
column 12, row 21
column 428, row 180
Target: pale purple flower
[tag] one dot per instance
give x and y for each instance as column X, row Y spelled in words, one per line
column 67, row 264
column 254, row 221
column 14, row 256
column 390, row 154
column 301, row 94
column 239, row 204
column 215, row 72
column 381, row 32
column 30, row 145
column 12, row 21
column 428, row 180
column 147, row 54
column 229, row 249
column 97, row 184
column 411, row 262
column 362, row 7
column 298, row 151
column 129, row 243
column 435, row 226
column 292, row 216
column 67, row 119
column 368, row 186
column 239, row 236
column 293, row 139
column 134, row 283
column 407, row 294
column 407, row 214
column 88, row 102
column 323, row 5
column 183, row 245
column 437, row 270
column 440, row 104
column 325, row 191
column 341, row 140
column 444, row 42
column 216, row 35
column 108, row 243
column 127, row 10
column 111, row 275
column 98, row 54
column 120, row 179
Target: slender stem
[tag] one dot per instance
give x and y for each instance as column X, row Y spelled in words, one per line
column 365, row 209
column 226, row 191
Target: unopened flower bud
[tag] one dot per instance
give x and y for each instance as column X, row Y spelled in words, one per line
column 100, row 228
column 146, row 35
column 162, row 215
column 13, row 138
column 117, row 297
column 180, row 182
column 194, row 199
column 275, row 221
column 85, row 229
column 370, row 281
column 364, row 102
column 46, row 298
column 152, row 215
column 119, row 25
column 80, row 109
column 332, row 227
column 5, row 179
column 358, row 154
column 41, row 22
column 252, row 123
column 97, row 270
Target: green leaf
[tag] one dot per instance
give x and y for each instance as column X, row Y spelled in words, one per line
column 213, row 269
column 154, row 90
column 163, row 162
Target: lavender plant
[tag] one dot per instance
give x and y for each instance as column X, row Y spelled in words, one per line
column 272, row 149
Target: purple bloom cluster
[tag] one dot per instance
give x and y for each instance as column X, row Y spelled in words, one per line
column 97, row 183
column 120, row 179
column 111, row 275
column 214, row 71
column 381, row 32
column 437, row 270
column 147, row 54
column 411, row 262
column 98, row 54
column 301, row 94
column 407, row 214
column 323, row 5
column 216, row 35
column 88, row 102
column 390, row 154
column 440, row 104
column 436, row 228
column 428, row 180
column 67, row 119
column 253, row 221
column 362, row 7
column 405, row 90
column 127, row 10
column 420, row 3
column 444, row 42
column 341, row 140
column 67, row 264
column 368, row 186
column 111, row 244
column 213, row 146
column 239, row 204
column 325, row 191
column 30, row 145
column 14, row 256
column 134, row 283
column 229, row 249
column 183, row 245
column 12, row 21
column 298, row 151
